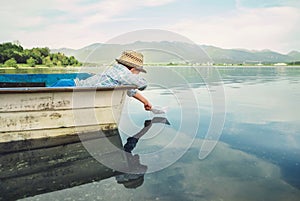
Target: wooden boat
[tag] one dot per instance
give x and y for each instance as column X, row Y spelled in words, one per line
column 63, row 114
column 50, row 140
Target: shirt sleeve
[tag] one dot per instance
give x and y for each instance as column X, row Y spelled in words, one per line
column 132, row 79
column 131, row 92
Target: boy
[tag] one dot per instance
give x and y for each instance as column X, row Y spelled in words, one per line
column 124, row 72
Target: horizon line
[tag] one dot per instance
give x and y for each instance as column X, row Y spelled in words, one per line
column 208, row 45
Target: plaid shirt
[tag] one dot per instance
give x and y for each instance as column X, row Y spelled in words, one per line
column 115, row 76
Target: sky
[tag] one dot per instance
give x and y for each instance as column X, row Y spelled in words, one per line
column 244, row 24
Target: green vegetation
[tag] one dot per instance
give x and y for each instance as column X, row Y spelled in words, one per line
column 12, row 55
column 295, row 63
column 10, row 63
column 31, row 62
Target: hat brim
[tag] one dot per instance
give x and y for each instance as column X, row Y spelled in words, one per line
column 126, row 63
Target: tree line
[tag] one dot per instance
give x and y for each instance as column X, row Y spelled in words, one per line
column 13, row 54
column 295, row 63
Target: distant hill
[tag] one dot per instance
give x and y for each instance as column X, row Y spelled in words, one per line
column 177, row 52
column 235, row 56
column 294, row 55
column 66, row 51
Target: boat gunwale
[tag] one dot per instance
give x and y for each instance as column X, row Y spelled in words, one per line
column 62, row 89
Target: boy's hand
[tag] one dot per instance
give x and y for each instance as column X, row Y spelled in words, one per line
column 147, row 106
column 141, row 98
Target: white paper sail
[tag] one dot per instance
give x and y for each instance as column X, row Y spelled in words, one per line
column 158, row 110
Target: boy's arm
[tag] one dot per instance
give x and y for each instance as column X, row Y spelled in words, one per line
column 141, row 98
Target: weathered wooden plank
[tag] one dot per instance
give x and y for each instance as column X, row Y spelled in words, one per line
column 92, row 99
column 56, row 101
column 25, row 102
column 33, row 120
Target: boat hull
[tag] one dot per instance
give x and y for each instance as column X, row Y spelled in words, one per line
column 36, row 113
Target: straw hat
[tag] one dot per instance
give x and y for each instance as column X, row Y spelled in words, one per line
column 132, row 59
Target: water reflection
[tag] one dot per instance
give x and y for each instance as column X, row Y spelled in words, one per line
column 37, row 171
column 262, row 117
column 136, row 171
column 132, row 141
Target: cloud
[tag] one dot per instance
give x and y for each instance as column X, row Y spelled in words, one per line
column 266, row 3
column 252, row 28
column 68, row 23
column 77, row 23
column 106, row 11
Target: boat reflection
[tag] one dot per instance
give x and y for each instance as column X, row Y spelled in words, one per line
column 37, row 171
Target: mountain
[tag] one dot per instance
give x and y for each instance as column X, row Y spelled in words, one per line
column 66, row 51
column 154, row 52
column 294, row 55
column 236, row 56
column 166, row 52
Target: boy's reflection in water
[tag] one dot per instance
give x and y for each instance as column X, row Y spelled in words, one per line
column 135, row 176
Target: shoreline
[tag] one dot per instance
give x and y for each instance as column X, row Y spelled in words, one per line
column 97, row 69
column 147, row 65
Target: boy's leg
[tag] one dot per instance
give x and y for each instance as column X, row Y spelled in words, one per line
column 64, row 83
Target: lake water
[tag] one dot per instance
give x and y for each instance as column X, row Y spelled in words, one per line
column 252, row 113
